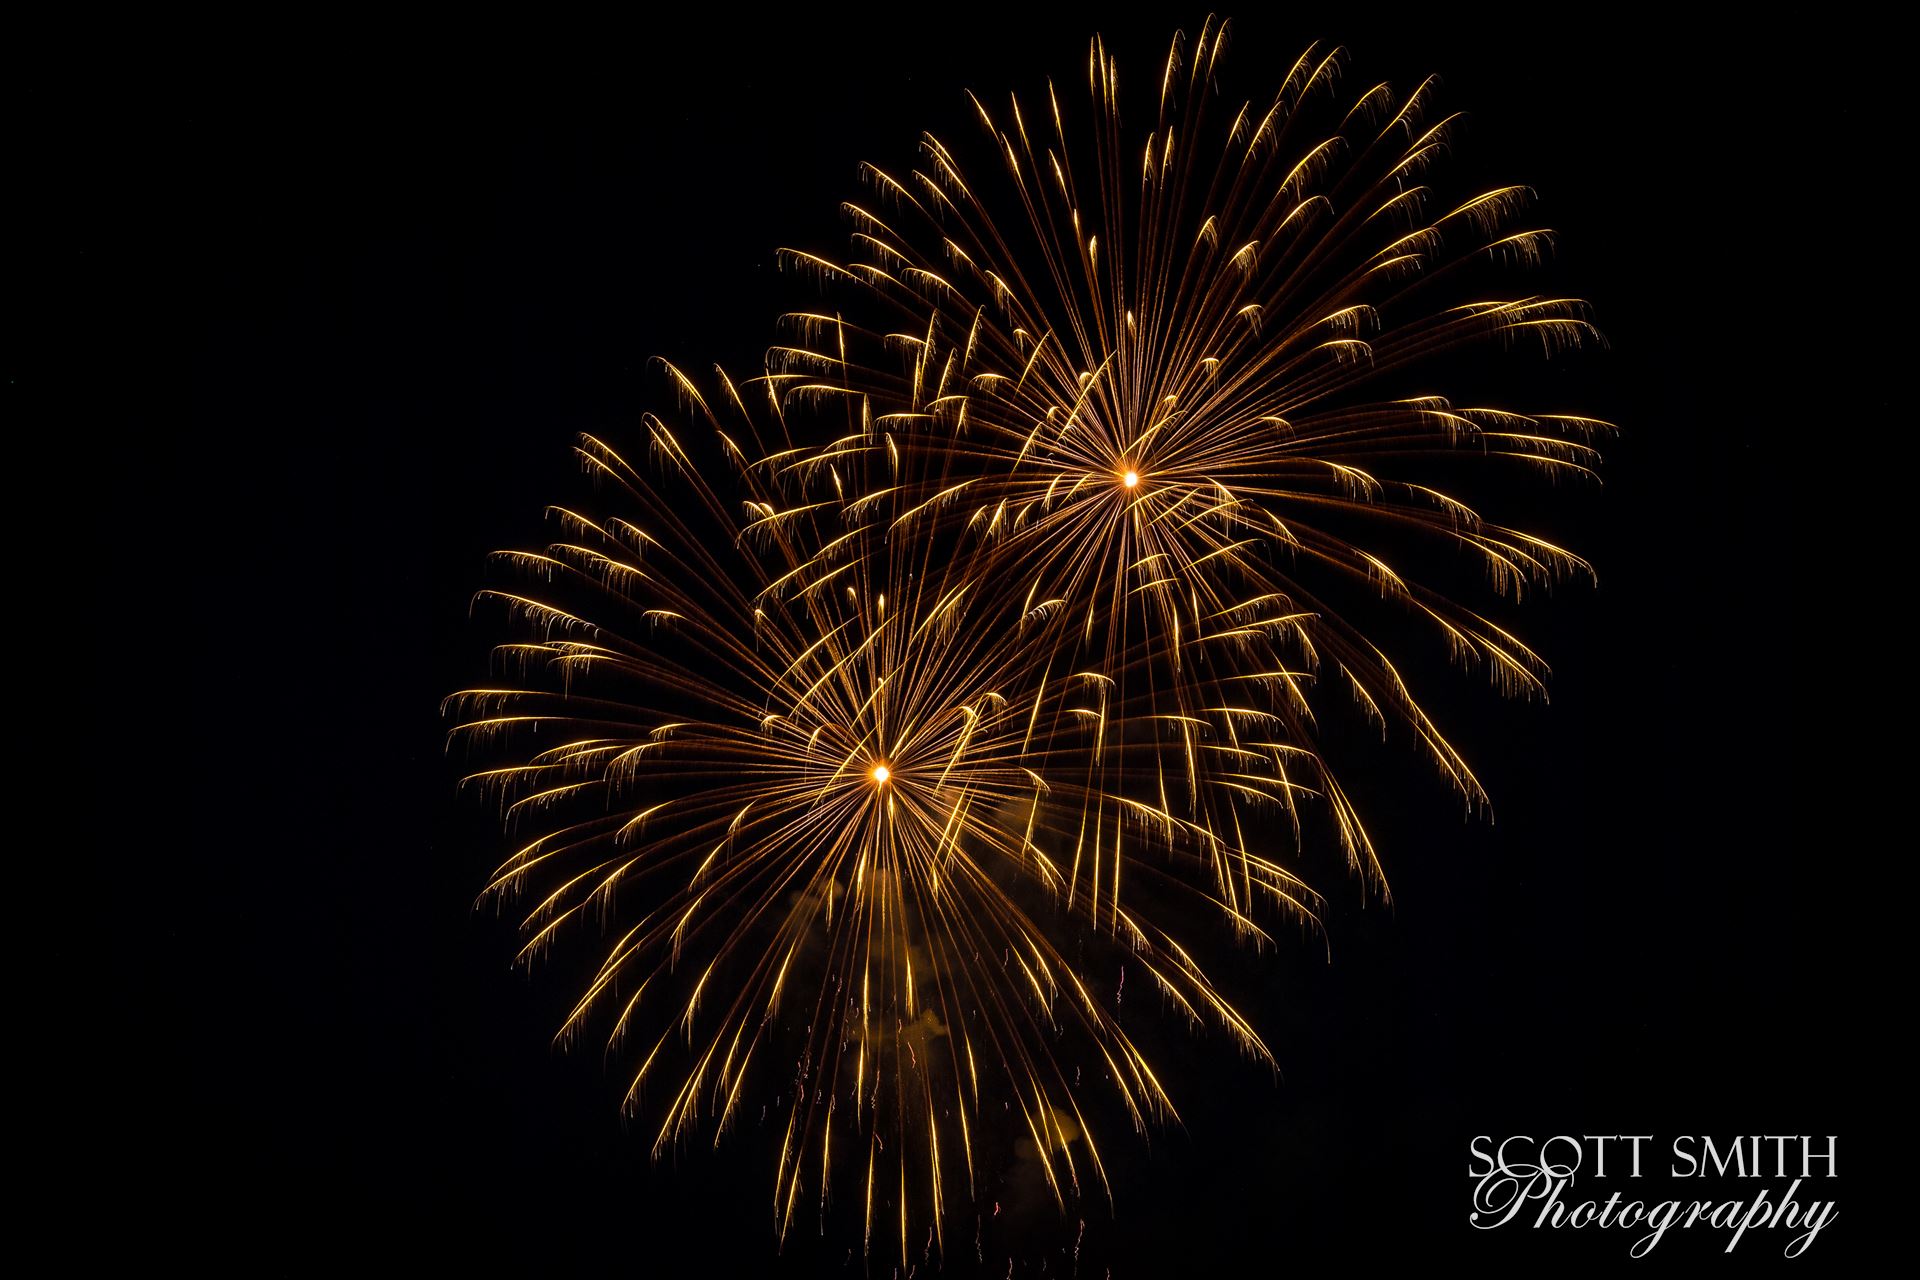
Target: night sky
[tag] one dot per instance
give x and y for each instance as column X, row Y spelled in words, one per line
column 371, row 286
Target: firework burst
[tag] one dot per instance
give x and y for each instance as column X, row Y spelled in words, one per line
column 747, row 759
column 998, row 618
column 1140, row 382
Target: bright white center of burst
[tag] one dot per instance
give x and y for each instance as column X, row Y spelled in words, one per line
column 881, row 773
column 1130, row 479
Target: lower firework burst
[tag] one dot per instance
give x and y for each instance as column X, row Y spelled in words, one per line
column 816, row 813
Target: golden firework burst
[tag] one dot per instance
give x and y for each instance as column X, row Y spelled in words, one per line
column 997, row 619
column 747, row 758
column 1144, row 385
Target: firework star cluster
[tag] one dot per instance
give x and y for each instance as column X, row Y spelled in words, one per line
column 886, row 723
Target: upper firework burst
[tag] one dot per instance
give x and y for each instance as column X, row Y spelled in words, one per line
column 1155, row 384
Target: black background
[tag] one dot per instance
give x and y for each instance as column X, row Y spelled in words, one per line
column 370, row 284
